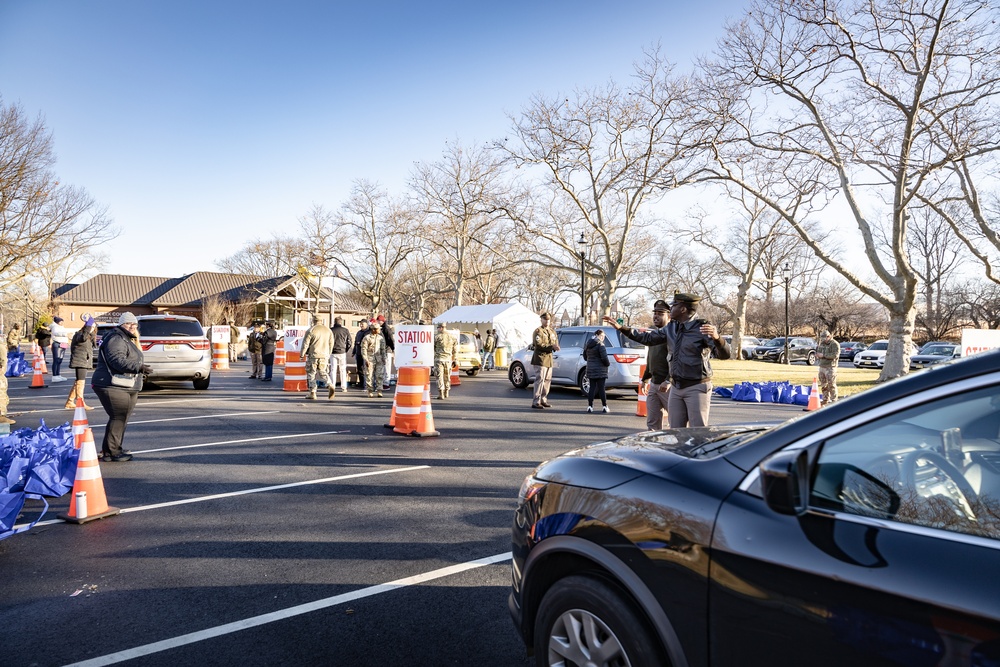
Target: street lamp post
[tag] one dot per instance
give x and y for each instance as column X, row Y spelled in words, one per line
column 786, row 274
column 582, row 242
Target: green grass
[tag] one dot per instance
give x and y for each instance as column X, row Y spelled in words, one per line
column 849, row 380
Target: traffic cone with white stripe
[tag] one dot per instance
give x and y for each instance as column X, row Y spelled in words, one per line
column 813, row 397
column 80, row 424
column 37, row 375
column 409, row 390
column 88, row 502
column 425, row 429
column 640, row 406
column 455, row 377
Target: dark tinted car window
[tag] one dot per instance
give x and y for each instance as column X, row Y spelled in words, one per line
column 170, row 328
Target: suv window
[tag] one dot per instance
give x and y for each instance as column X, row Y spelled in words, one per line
column 572, row 339
column 170, row 328
column 935, row 465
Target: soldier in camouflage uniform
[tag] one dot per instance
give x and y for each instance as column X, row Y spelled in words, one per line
column 317, row 345
column 445, row 354
column 828, row 354
column 373, row 351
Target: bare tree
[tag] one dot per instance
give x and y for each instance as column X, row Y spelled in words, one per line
column 601, row 158
column 43, row 224
column 459, row 196
column 377, row 235
column 265, row 258
column 847, row 102
column 936, row 259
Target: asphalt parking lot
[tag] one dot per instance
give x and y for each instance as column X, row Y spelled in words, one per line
column 259, row 528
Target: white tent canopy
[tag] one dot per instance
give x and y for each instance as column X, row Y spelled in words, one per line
column 512, row 322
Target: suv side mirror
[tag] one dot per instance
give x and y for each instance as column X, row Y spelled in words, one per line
column 785, row 481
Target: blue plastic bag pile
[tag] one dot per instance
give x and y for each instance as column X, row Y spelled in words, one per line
column 16, row 365
column 34, row 464
column 767, row 392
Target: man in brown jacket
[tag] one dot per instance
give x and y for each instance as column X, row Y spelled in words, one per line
column 546, row 342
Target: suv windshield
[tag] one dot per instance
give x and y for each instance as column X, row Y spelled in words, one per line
column 170, row 328
column 881, row 345
column 775, row 342
column 941, row 350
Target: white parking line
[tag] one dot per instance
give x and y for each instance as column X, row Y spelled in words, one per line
column 254, row 621
column 232, row 442
column 262, row 489
column 180, row 419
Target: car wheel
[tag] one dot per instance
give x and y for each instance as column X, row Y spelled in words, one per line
column 584, row 382
column 811, row 359
column 781, row 358
column 202, row 383
column 518, row 375
column 472, row 372
column 746, row 355
column 585, row 621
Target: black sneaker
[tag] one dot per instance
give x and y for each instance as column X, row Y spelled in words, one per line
column 120, row 459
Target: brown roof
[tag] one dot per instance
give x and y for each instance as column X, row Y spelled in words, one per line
column 117, row 290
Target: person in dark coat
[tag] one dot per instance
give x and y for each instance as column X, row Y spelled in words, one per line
column 359, row 357
column 390, row 349
column 268, row 346
column 44, row 338
column 118, row 356
column 81, row 359
column 596, row 356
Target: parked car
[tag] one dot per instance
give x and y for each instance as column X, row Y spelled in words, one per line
column 873, row 357
column 865, row 533
column 568, row 365
column 849, row 349
column 799, row 349
column 102, row 329
column 468, row 359
column 931, row 343
column 746, row 350
column 176, row 349
column 935, row 354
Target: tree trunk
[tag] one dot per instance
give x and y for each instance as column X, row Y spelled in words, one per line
column 897, row 358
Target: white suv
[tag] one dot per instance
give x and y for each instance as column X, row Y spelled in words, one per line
column 176, row 349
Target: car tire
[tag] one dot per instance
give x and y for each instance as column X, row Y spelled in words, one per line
column 581, row 615
column 518, row 375
column 811, row 359
column 583, row 382
column 472, row 372
column 781, row 358
column 202, row 383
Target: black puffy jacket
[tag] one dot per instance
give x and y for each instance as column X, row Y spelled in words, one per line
column 597, row 359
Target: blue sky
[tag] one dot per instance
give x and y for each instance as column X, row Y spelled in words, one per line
column 202, row 124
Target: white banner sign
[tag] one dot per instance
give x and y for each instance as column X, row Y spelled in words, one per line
column 979, row 340
column 220, row 333
column 293, row 339
column 414, row 345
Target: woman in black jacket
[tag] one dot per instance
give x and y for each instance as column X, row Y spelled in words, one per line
column 596, row 356
column 119, row 360
column 81, row 359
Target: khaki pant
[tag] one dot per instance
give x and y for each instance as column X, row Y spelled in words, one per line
column 543, row 382
column 339, row 368
column 689, row 406
column 656, row 404
column 828, row 383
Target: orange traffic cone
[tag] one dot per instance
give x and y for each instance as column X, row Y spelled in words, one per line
column 455, row 379
column 40, row 353
column 88, row 487
column 392, row 415
column 409, row 389
column 640, row 406
column 80, row 425
column 37, row 377
column 813, row 397
column 426, row 427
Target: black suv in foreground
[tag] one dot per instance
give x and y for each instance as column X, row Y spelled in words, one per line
column 865, row 533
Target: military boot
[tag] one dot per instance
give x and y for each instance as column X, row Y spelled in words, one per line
column 312, row 394
column 331, row 393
